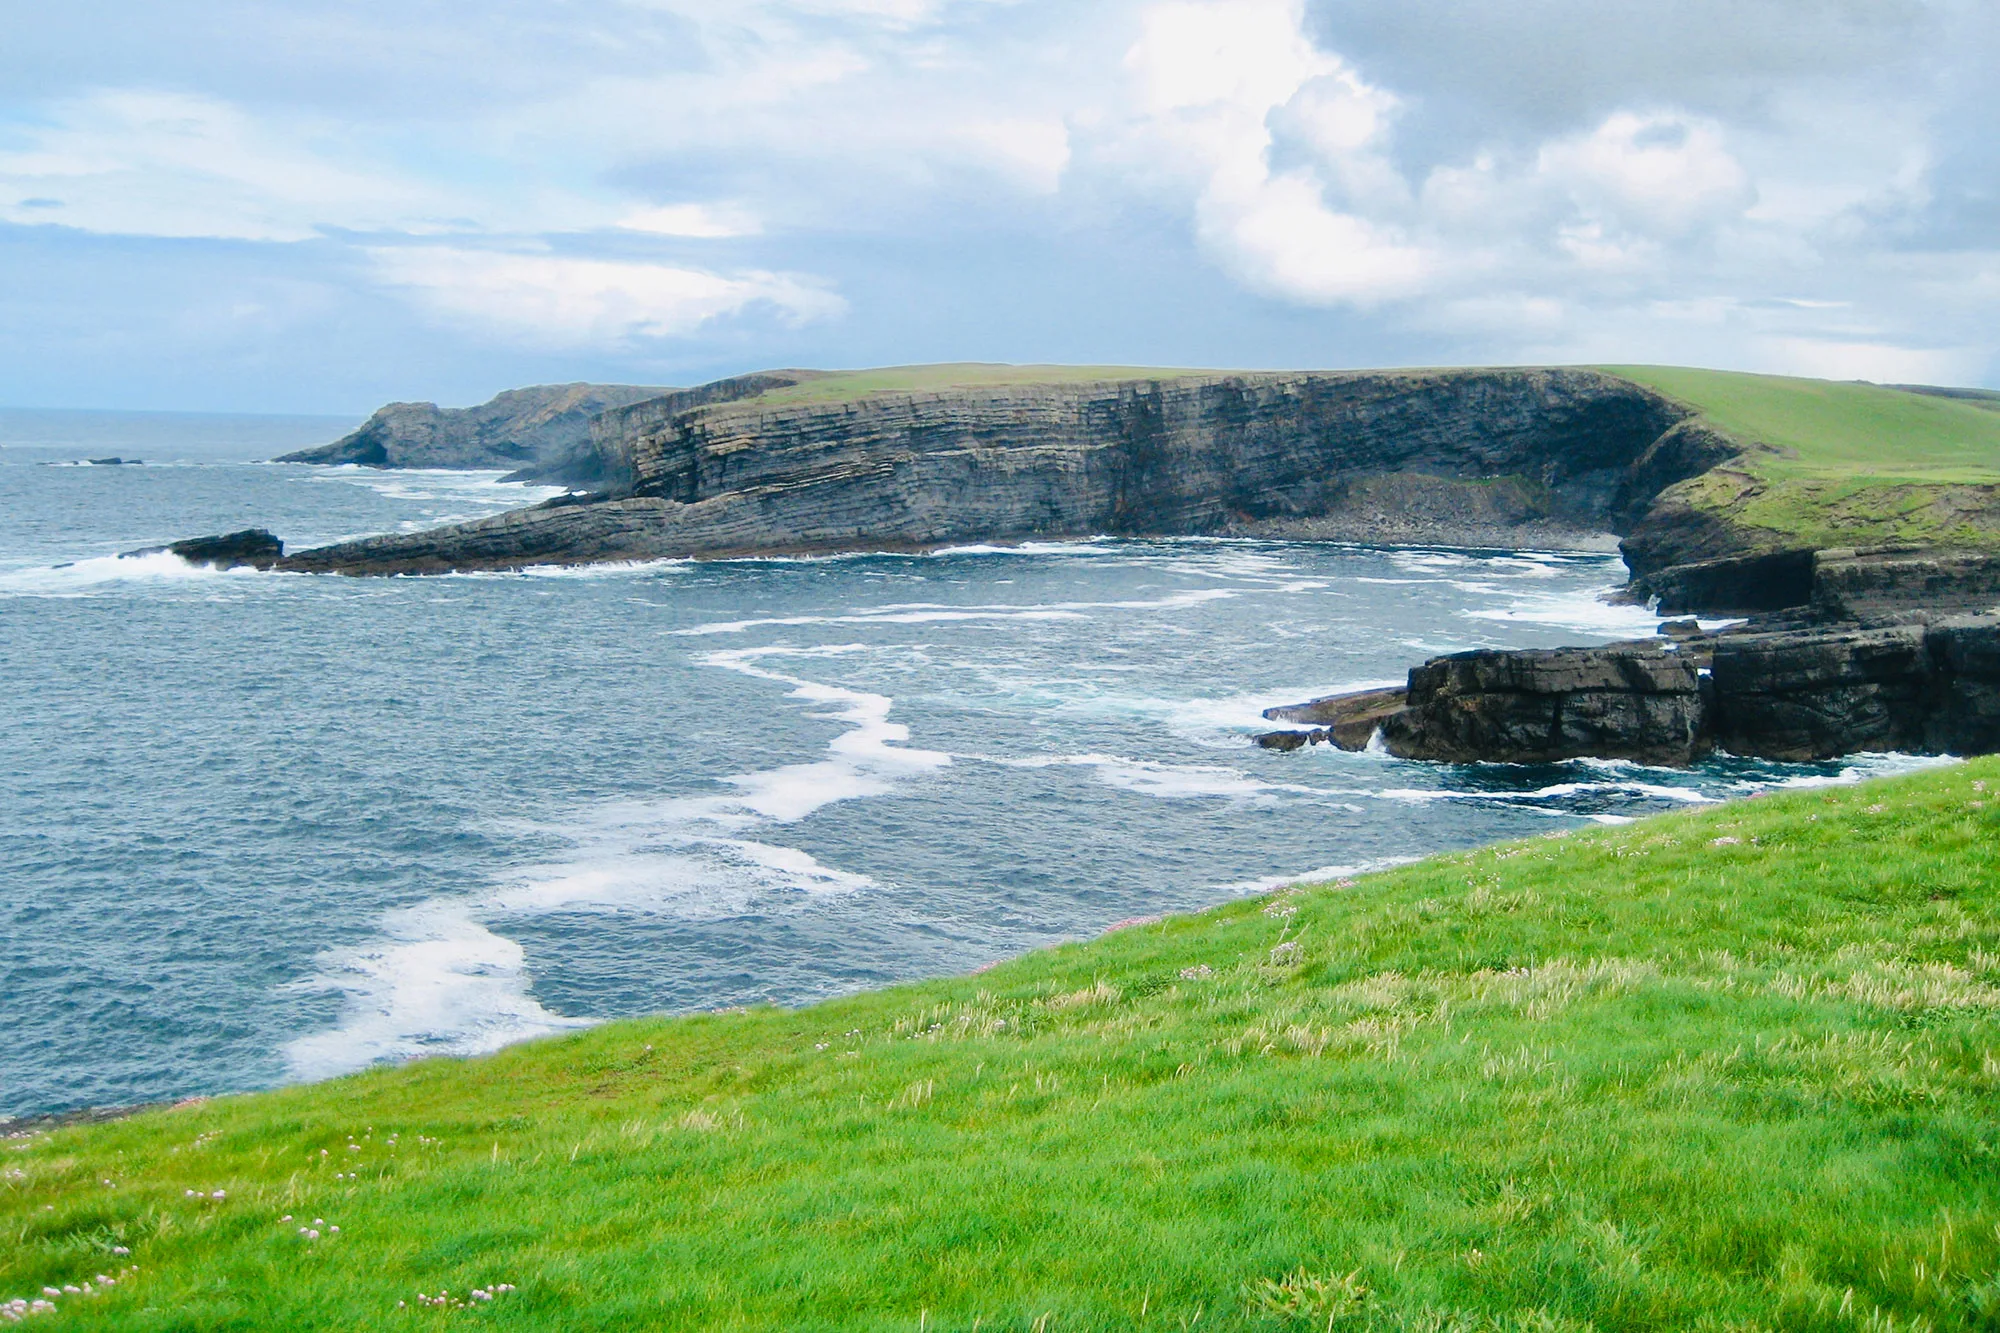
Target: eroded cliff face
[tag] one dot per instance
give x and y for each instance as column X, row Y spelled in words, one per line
column 1469, row 457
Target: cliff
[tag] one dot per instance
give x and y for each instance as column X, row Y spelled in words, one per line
column 1486, row 457
column 542, row 426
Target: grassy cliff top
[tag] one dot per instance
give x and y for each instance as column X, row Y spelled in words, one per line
column 1832, row 429
column 1730, row 1069
column 842, row 386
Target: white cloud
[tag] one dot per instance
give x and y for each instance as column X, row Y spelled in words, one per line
column 695, row 221
column 1652, row 174
column 558, row 300
column 170, row 164
column 1787, row 180
column 1210, row 78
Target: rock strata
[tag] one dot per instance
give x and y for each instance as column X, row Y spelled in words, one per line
column 1859, row 585
column 1816, row 695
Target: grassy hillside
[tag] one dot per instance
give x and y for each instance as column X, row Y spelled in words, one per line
column 1737, row 1069
column 1830, row 429
column 1854, row 464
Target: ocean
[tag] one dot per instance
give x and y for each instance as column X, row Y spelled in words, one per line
column 259, row 828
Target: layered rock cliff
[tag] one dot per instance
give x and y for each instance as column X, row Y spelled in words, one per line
column 540, row 427
column 1485, row 457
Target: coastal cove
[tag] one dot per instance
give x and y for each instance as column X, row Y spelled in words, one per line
column 274, row 826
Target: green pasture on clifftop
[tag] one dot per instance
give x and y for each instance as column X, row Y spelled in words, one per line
column 1731, row 1069
column 1843, row 464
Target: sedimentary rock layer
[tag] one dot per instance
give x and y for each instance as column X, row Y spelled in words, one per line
column 1502, row 457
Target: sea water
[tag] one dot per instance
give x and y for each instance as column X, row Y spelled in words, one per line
column 267, row 827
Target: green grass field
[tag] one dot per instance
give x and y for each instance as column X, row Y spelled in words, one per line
column 1735, row 1069
column 1839, row 430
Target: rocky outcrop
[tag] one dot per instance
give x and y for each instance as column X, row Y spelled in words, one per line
column 1797, row 693
column 1625, row 701
column 1814, row 695
column 1280, row 455
column 540, row 426
column 252, row 547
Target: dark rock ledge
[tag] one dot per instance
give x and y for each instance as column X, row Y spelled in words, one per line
column 1880, row 655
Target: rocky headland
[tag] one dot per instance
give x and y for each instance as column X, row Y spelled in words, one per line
column 536, row 429
column 1490, row 457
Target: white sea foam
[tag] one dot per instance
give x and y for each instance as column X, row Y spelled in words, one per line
column 100, row 574
column 439, row 978
column 1559, row 791
column 435, row 982
column 1588, row 612
column 1178, row 782
column 1854, row 768
column 1272, row 883
column 918, row 613
column 425, row 484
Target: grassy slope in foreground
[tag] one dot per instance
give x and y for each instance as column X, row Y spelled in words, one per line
column 1857, row 464
column 1732, row 1069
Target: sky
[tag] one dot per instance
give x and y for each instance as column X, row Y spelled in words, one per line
column 322, row 205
